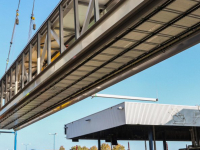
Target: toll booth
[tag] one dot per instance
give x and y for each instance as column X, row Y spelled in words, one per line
column 139, row 121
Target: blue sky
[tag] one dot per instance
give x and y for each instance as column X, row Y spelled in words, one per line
column 176, row 80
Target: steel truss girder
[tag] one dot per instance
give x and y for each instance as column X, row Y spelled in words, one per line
column 47, row 44
column 82, row 44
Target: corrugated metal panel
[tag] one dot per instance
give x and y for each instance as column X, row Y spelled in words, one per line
column 135, row 114
column 105, row 119
column 161, row 114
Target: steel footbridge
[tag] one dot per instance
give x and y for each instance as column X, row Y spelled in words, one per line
column 85, row 46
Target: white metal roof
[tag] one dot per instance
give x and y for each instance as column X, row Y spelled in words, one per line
column 135, row 114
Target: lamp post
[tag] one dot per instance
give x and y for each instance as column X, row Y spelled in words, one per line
column 26, row 145
column 54, row 136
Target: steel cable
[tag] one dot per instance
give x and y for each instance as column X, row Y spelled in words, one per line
column 11, row 42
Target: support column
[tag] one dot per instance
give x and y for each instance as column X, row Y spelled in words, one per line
column 88, row 16
column 164, row 141
column 154, row 137
column 61, row 29
column 198, row 134
column 48, row 42
column 15, row 141
column 38, row 53
column 30, row 63
column 164, row 144
column 22, row 73
column 99, row 144
column 96, row 10
column 16, row 77
column 76, row 20
column 6, row 88
column 2, row 90
column 150, row 139
column 11, row 81
column 145, row 143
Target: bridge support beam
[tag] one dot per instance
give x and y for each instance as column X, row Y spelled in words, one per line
column 6, row 88
column 22, row 73
column 2, row 91
column 16, row 77
column 38, row 54
column 88, row 16
column 30, row 63
column 48, row 42
column 11, row 81
column 43, row 52
column 76, row 20
column 96, row 10
column 61, row 35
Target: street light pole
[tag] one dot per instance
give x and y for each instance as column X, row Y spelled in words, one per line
column 26, row 145
column 54, row 134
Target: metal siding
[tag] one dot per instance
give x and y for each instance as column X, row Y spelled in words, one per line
column 105, row 119
column 161, row 114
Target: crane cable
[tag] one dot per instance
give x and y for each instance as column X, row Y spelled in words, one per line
column 11, row 42
column 32, row 22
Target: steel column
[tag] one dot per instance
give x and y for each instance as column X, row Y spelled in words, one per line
column 54, row 34
column 164, row 141
column 145, row 144
column 30, row 63
column 99, row 141
column 2, row 91
column 150, row 139
column 164, row 144
column 198, row 134
column 38, row 53
column 99, row 144
column 6, row 88
column 76, row 20
column 61, row 35
column 154, row 137
column 15, row 141
column 96, row 10
column 11, row 81
column 43, row 52
column 48, row 42
column 16, row 77
column 22, row 73
column 88, row 16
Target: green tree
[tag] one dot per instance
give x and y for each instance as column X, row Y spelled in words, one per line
column 85, row 148
column 118, row 147
column 62, row 148
column 93, row 148
column 78, row 148
column 105, row 146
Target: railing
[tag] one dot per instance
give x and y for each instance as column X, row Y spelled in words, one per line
column 61, row 29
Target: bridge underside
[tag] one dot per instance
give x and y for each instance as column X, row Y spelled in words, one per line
column 154, row 31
